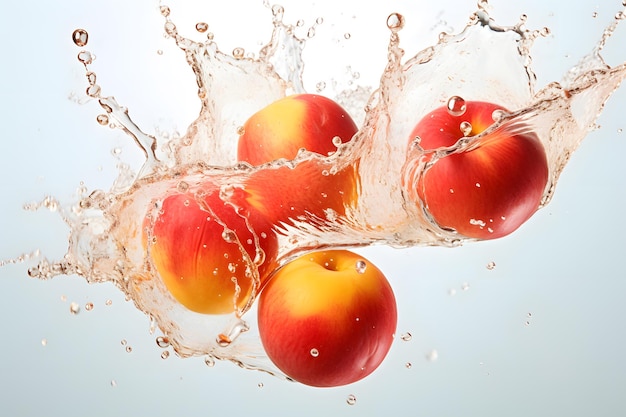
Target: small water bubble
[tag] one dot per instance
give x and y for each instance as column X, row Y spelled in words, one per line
column 361, row 266
column 337, row 141
column 129, row 349
column 44, row 342
column 260, row 385
column 163, row 341
column 452, row 292
column 491, row 265
column 456, row 106
column 314, row 352
column 466, row 128
column 165, row 11
column 202, row 27
column 93, row 91
column 347, row 35
column 320, row 86
column 311, row 32
column 465, row 286
column 432, row 356
column 116, row 151
column 239, row 53
column 527, row 323
column 594, row 14
column 529, row 315
column 108, row 302
column 620, row 15
column 80, row 37
column 209, row 361
column 319, row 20
column 102, row 119
column 182, row 186
column 123, row 342
column 351, row 400
column 113, row 383
column 85, row 57
column 165, row 354
column 74, row 308
column 210, row 36
column 159, row 51
column 300, row 23
column 395, row 22
column 89, row 306
column 230, row 237
column 620, row 130
column 406, row 336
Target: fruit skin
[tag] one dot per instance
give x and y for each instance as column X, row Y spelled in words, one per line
column 492, row 188
column 197, row 262
column 283, row 193
column 285, row 126
column 321, row 301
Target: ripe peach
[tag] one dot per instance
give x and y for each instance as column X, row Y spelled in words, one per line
column 327, row 318
column 203, row 252
column 492, row 188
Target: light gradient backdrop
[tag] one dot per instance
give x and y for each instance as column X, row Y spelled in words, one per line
column 562, row 272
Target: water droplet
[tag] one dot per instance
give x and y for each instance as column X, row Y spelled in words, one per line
column 238, row 53
column 64, row 298
column 319, row 20
column 159, row 51
column 347, row 36
column 44, row 342
column 406, row 336
column 529, row 315
column 165, row 354
column 456, row 106
column 594, row 14
column 108, row 302
column 209, row 361
column 230, row 237
column 74, row 308
column 102, row 119
column 129, row 349
column 408, row 365
column 165, row 11
column 351, row 400
column 89, row 306
column 452, row 292
column 85, row 57
column 466, row 128
column 163, row 341
column 241, row 130
column 527, row 323
column 202, row 27
column 491, row 265
column 277, row 11
column 337, row 141
column 123, row 342
column 361, row 266
column 465, row 286
column 314, row 352
column 395, row 22
column 432, row 356
column 113, row 383
column 260, row 385
column 80, row 37
column 320, row 86
column 311, row 32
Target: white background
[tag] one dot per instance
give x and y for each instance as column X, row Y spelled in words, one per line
column 564, row 267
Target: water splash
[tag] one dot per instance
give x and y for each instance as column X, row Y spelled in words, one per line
column 107, row 226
